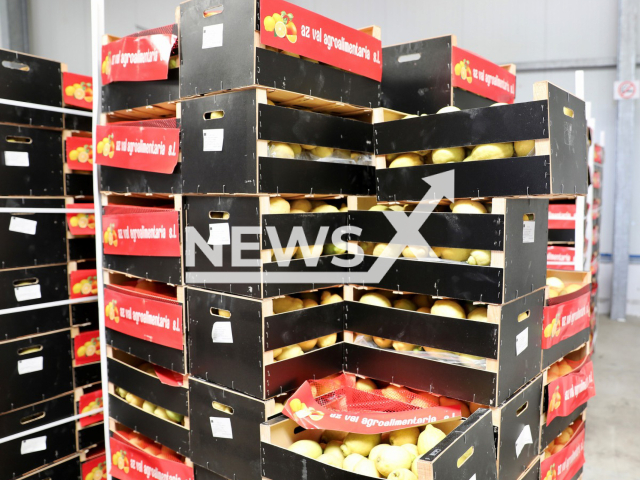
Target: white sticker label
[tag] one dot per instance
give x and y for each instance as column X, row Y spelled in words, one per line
column 212, row 139
column 23, row 225
column 221, row 332
column 28, row 292
column 522, row 341
column 30, row 445
column 30, row 365
column 528, row 231
column 221, row 427
column 523, row 439
column 219, row 234
column 212, row 36
column 474, row 477
column 16, row 159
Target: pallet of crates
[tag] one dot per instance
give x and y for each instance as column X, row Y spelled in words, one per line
column 424, row 76
column 135, row 86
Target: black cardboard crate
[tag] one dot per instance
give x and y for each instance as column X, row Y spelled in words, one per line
column 247, row 364
column 161, row 269
column 548, row 433
column 533, row 472
column 559, row 350
column 26, row 78
column 518, row 256
column 513, row 422
column 204, row 213
column 68, row 468
column 555, row 120
column 33, row 286
column 32, row 376
column 123, row 373
column 90, row 436
column 240, row 164
column 249, row 63
column 129, row 180
column 422, row 81
column 154, row 299
column 511, row 348
column 35, row 450
column 81, row 248
column 474, row 433
column 235, row 457
column 142, row 99
column 26, row 243
column 31, row 163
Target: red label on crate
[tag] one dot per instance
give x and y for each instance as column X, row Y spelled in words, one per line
column 81, row 223
column 77, row 90
column 569, row 392
column 562, row 216
column 137, row 59
column 79, row 153
column 565, row 319
column 149, row 149
column 131, row 463
column 566, row 463
column 561, row 258
column 95, row 469
column 88, row 402
column 86, row 347
column 294, row 29
column 598, row 153
column 83, row 283
column 482, row 77
column 141, row 317
column 149, row 232
column 308, row 413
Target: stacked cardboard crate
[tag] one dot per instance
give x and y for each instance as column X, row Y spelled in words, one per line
column 49, row 316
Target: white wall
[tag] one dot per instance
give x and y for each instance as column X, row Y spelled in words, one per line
column 501, row 30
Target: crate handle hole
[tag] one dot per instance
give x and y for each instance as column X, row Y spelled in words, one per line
column 31, row 349
column 522, row 408
column 529, row 217
column 222, row 407
column 23, row 67
column 32, row 418
column 568, row 112
column 412, row 57
column 213, row 11
column 220, row 312
column 298, row 430
column 25, row 281
column 213, row 115
column 16, row 139
column 466, row 456
column 218, row 215
column 524, row 315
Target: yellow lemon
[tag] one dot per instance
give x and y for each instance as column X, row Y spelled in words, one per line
column 269, row 24
column 280, row 29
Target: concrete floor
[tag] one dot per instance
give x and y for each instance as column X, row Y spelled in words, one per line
column 612, row 449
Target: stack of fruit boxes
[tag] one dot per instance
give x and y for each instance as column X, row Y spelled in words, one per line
column 503, row 280
column 48, row 264
column 511, row 282
column 140, row 181
column 276, row 144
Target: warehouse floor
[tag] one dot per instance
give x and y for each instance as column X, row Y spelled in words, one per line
column 612, row 445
